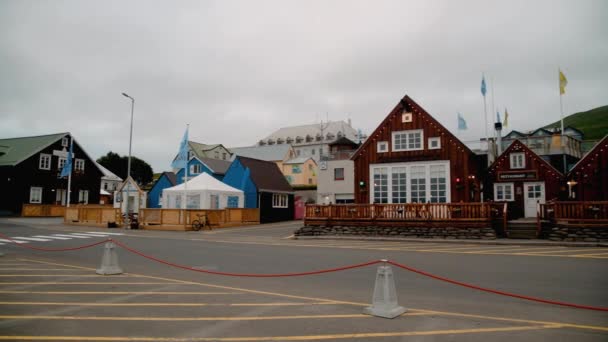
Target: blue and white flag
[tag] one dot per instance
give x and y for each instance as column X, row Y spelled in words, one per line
column 483, row 85
column 181, row 161
column 462, row 124
column 67, row 167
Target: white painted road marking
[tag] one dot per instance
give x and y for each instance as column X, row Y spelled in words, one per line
column 14, row 241
column 52, row 237
column 30, row 238
column 106, row 233
column 73, row 236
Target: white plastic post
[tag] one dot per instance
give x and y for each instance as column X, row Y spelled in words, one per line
column 384, row 301
column 109, row 260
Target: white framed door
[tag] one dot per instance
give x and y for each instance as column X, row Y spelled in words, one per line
column 60, row 196
column 534, row 192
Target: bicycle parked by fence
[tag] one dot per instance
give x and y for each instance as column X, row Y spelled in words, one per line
column 201, row 222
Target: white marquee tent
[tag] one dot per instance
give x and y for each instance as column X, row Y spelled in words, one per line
column 203, row 192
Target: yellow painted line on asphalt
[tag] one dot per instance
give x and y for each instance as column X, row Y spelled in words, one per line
column 503, row 249
column 82, row 283
column 288, row 237
column 164, row 304
column 446, row 248
column 593, row 255
column 14, row 264
column 38, row 269
column 63, row 275
column 561, row 250
column 411, row 310
column 285, row 338
column 120, row 293
column 183, row 319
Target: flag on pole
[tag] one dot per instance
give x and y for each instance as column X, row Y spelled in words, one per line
column 181, row 161
column 462, row 124
column 506, row 122
column 497, row 116
column 67, row 167
column 483, row 85
column 563, row 82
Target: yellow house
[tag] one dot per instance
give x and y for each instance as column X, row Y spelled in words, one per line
column 300, row 171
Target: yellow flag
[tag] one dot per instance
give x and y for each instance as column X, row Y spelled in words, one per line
column 562, row 83
column 506, row 122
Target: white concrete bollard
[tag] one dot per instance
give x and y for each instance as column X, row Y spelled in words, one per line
column 384, row 301
column 109, row 260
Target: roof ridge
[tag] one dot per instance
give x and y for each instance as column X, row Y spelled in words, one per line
column 35, row 136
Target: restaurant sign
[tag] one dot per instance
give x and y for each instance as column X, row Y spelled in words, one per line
column 520, row 175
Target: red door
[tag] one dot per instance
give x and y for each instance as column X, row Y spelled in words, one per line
column 299, row 212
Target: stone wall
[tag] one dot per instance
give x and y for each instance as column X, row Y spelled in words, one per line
column 593, row 234
column 402, row 232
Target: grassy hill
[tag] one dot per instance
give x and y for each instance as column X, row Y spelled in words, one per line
column 593, row 123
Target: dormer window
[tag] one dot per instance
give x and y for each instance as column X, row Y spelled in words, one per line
column 280, row 141
column 261, row 143
column 319, row 137
column 518, row 160
column 289, row 140
column 64, row 141
column 329, row 136
column 270, row 141
column 339, row 134
column 308, row 138
column 299, row 139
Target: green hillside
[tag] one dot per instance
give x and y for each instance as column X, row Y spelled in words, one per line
column 593, row 123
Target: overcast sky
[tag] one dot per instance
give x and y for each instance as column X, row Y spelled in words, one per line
column 238, row 70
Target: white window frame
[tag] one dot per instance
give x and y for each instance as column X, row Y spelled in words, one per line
column 60, row 162
column 407, row 138
column 406, row 117
column 408, row 166
column 64, row 142
column 433, row 140
column 35, row 190
column 79, row 164
column 382, row 147
column 83, row 196
column 513, row 159
column 45, row 161
column 196, row 169
column 279, row 200
column 504, row 185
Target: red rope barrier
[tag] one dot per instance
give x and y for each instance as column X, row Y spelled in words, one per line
column 52, row 249
column 244, row 274
column 502, row 293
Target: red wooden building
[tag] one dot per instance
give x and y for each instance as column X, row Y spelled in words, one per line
column 588, row 179
column 412, row 158
column 522, row 178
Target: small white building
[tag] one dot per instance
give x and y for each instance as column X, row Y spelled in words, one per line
column 109, row 183
column 129, row 196
column 203, row 192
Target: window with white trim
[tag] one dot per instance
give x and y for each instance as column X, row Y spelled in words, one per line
column 83, row 196
column 64, row 141
column 339, row 174
column 60, row 163
column 45, row 162
column 382, row 146
column 518, row 160
column 279, row 201
column 408, row 140
column 79, row 164
column 412, row 182
column 35, row 195
column 434, row 143
column 380, row 189
column 503, row 191
column 195, row 169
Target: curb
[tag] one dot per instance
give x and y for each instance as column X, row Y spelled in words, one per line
column 500, row 242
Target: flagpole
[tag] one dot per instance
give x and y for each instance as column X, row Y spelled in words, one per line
column 69, row 182
column 494, row 156
column 561, row 110
column 485, row 116
column 185, row 205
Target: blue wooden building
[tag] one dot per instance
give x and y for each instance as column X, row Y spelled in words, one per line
column 264, row 186
column 166, row 180
column 215, row 167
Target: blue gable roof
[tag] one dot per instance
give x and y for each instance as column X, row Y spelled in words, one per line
column 239, row 176
column 155, row 193
column 203, row 169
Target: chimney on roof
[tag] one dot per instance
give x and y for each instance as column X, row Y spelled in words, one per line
column 498, row 127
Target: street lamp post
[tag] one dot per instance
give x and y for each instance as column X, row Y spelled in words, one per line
column 129, row 160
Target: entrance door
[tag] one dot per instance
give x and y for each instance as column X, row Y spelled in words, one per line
column 61, row 195
column 533, row 193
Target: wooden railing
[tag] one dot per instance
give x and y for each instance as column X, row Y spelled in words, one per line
column 42, row 210
column 393, row 213
column 591, row 212
column 499, row 212
column 215, row 217
column 93, row 214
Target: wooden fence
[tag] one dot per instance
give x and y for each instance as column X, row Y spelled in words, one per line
column 182, row 219
column 419, row 214
column 42, row 210
column 99, row 215
column 589, row 213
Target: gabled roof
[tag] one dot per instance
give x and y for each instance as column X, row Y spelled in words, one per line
column 170, row 177
column 602, row 144
column 129, row 180
column 204, row 181
column 521, row 147
column 541, row 132
column 216, row 166
column 266, row 152
column 17, row 150
column 299, row 160
column 514, row 134
column 107, row 174
column 312, row 130
column 407, row 103
column 199, row 149
column 573, row 129
column 266, row 175
column 344, row 141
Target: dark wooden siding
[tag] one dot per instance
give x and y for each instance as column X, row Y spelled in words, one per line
column 269, row 214
column 591, row 174
column 28, row 174
column 463, row 162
